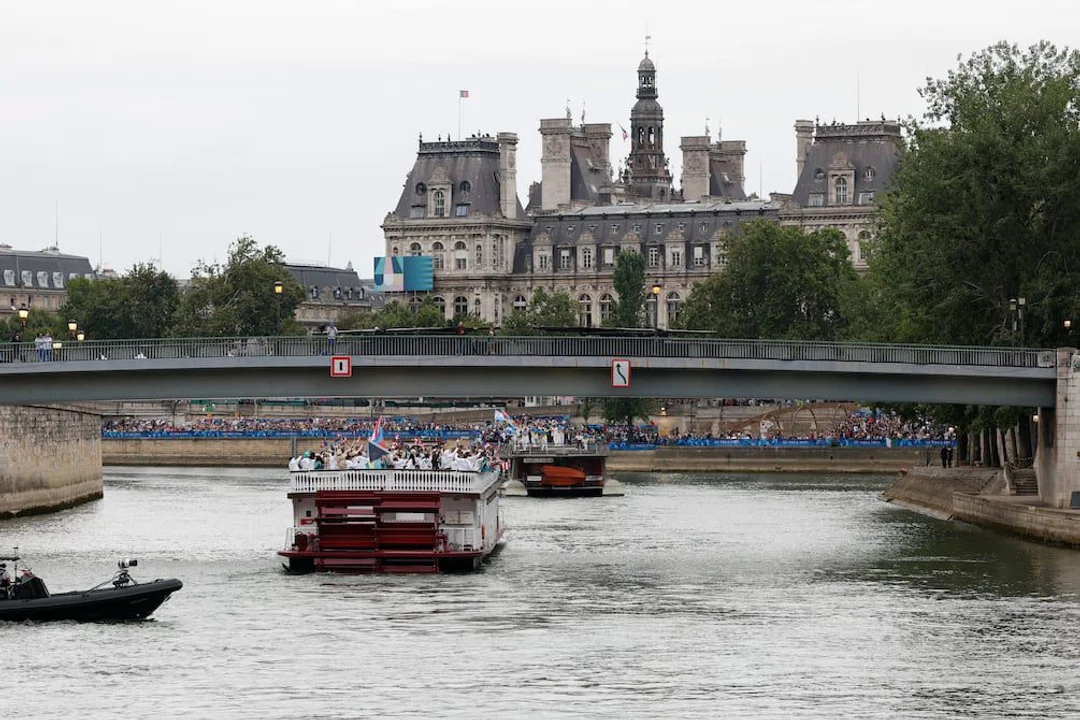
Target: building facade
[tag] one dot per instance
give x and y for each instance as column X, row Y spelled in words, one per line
column 37, row 280
column 459, row 205
column 842, row 169
column 330, row 293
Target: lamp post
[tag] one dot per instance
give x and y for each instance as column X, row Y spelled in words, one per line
column 72, row 327
column 656, row 306
column 1020, row 310
column 23, row 314
column 80, row 336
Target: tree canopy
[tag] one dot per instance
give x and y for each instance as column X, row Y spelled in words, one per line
column 780, row 283
column 985, row 207
column 629, row 284
column 238, row 298
column 544, row 310
column 142, row 303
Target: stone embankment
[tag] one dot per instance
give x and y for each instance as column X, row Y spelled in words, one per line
column 50, row 458
column 980, row 497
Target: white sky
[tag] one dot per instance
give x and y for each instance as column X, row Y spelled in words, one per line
column 181, row 124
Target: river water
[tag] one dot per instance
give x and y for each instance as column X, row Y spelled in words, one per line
column 695, row 596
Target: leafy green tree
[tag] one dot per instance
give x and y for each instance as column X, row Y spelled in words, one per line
column 396, row 314
column 544, row 310
column 985, row 206
column 140, row 304
column 780, row 283
column 238, row 298
column 629, row 284
column 624, row 411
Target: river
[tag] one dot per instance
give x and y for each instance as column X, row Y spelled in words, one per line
column 694, row 596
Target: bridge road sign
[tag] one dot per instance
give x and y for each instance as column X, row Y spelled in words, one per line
column 341, row 366
column 620, row 373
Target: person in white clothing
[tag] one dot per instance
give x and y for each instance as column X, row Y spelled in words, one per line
column 294, row 464
column 331, row 461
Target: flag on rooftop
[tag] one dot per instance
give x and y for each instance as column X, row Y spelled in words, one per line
column 463, row 93
column 625, row 135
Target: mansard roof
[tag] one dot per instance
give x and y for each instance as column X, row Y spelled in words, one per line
column 608, row 225
column 864, row 146
column 23, row 268
column 474, row 161
column 724, row 179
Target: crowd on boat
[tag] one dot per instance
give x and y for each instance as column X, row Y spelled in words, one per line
column 361, row 455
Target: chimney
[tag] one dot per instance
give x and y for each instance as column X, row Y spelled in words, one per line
column 804, row 138
column 599, row 136
column 555, row 163
column 508, row 201
column 695, row 167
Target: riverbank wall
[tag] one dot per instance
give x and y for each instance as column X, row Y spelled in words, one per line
column 274, row 452
column 50, row 458
column 979, row 497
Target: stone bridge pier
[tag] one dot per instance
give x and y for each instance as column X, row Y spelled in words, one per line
column 1057, row 456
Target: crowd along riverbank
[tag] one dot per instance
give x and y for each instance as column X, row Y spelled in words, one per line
column 274, row 453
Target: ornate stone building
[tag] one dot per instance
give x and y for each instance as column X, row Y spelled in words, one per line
column 841, row 170
column 460, row 206
column 38, row 280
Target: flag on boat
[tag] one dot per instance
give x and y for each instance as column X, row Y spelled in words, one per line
column 375, row 453
column 377, row 432
column 501, row 417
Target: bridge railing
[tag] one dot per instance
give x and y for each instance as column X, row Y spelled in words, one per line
column 450, row 346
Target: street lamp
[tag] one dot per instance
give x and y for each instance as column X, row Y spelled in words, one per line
column 278, row 288
column 23, row 314
column 1068, row 325
column 80, row 336
column 656, row 306
column 72, row 327
column 1021, row 302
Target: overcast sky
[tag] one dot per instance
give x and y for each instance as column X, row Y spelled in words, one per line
column 173, row 127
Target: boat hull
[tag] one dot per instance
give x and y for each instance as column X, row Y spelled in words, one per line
column 133, row 602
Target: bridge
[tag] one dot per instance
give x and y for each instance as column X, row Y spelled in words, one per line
column 451, row 366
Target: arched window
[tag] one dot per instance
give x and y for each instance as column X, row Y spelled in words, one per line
column 414, row 303
column 394, row 251
column 440, row 303
column 652, row 136
column 585, row 311
column 841, row 191
column 520, row 304
column 415, row 249
column 440, row 203
column 864, row 247
column 438, row 260
column 476, row 307
column 461, row 306
column 607, row 306
column 673, row 301
column 459, row 245
column 586, row 258
column 465, row 187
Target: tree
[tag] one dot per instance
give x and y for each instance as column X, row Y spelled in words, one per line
column 544, row 310
column 140, row 304
column 396, row 314
column 629, row 284
column 238, row 298
column 985, row 206
column 780, row 283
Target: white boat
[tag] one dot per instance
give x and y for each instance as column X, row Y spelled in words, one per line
column 392, row 520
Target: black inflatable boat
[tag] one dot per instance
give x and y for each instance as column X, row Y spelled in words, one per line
column 23, row 596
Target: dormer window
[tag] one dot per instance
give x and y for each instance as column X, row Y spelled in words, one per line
column 440, row 203
column 461, row 210
column 866, row 198
column 819, row 174
column 421, row 189
column 465, row 186
column 869, row 173
column 817, row 200
column 841, row 187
